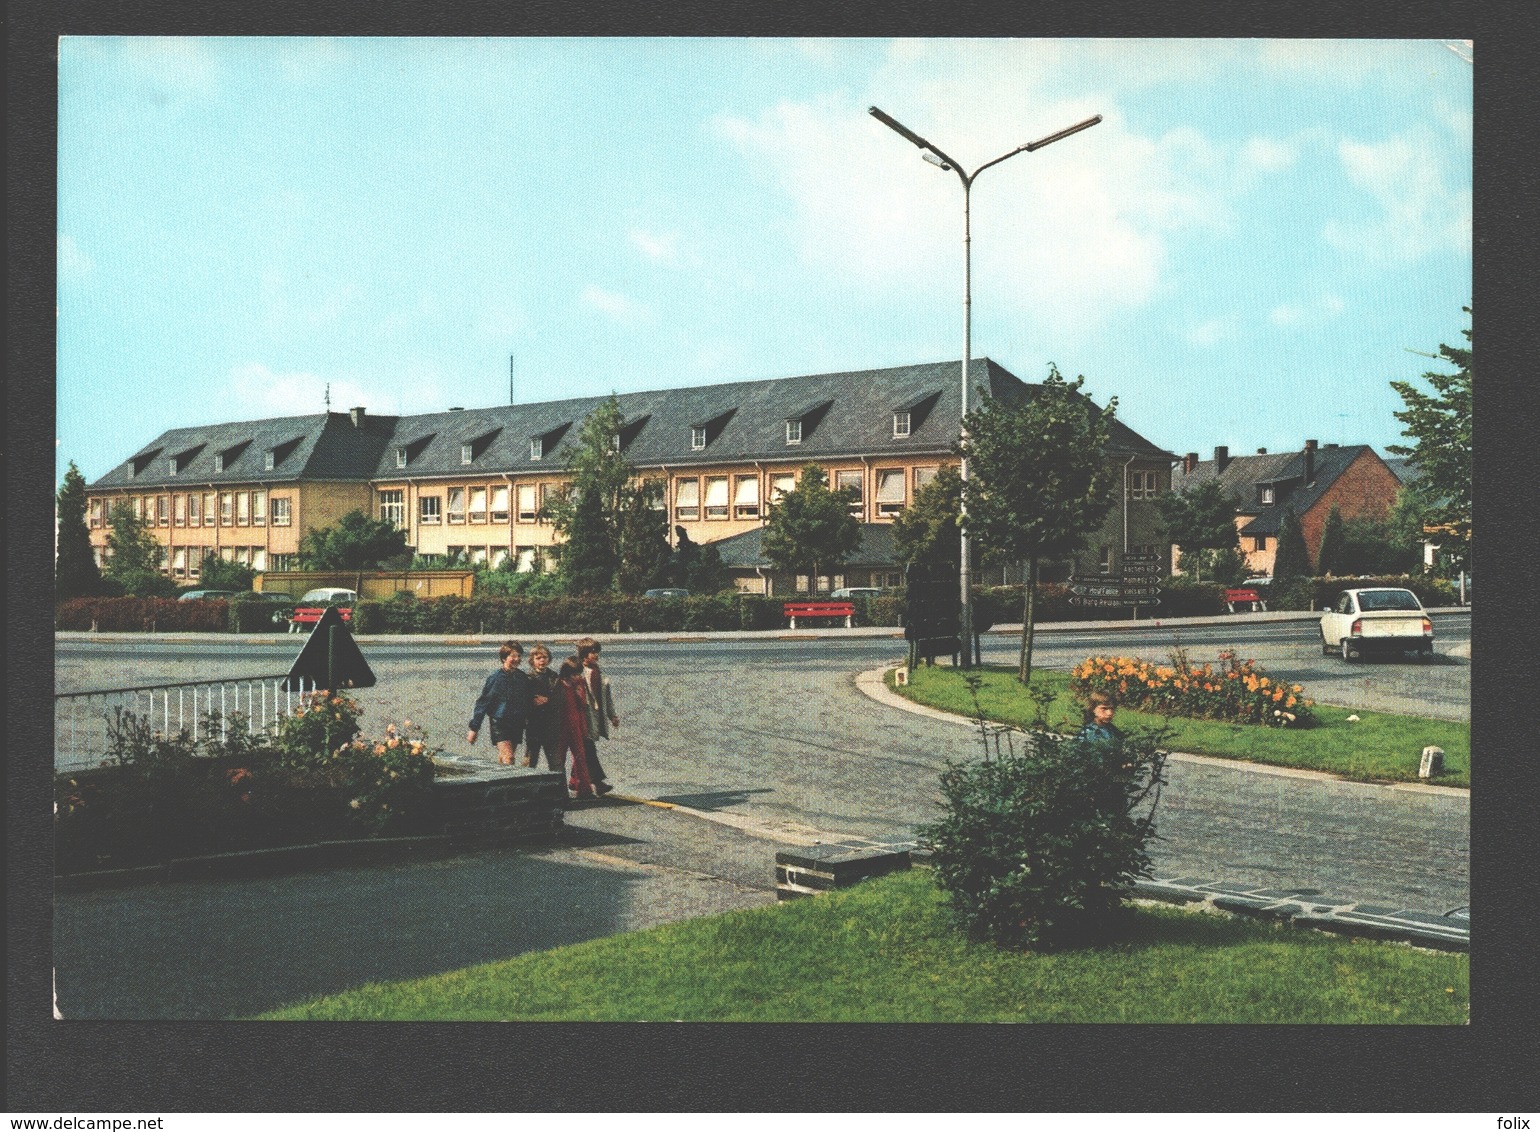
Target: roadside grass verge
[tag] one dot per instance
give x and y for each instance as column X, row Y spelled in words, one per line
column 1380, row 747
column 884, row 951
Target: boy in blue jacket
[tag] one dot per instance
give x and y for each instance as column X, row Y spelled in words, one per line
column 504, row 703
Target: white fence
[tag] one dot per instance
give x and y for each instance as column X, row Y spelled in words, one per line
column 83, row 720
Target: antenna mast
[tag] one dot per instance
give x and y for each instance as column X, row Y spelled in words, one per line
column 510, row 379
column 328, row 396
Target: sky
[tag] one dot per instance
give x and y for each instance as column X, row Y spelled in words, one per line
column 1244, row 252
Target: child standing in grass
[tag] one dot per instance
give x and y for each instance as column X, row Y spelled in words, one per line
column 1098, row 725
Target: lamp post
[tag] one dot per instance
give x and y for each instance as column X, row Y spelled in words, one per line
column 942, row 161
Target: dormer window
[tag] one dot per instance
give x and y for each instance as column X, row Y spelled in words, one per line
column 615, row 443
column 467, row 453
column 219, row 461
column 267, row 460
column 794, row 431
column 697, row 438
column 536, row 447
column 1267, row 495
column 400, row 457
column 901, row 424
column 171, row 466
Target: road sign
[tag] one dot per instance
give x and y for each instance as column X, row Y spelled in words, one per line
column 1152, row 569
column 1115, row 589
column 1112, row 602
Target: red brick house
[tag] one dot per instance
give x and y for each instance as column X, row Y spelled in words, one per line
column 1352, row 478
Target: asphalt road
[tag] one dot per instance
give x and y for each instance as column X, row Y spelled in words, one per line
column 773, row 734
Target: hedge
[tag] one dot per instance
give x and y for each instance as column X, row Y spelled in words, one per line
column 142, row 615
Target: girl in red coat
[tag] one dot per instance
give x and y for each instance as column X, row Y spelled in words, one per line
column 572, row 724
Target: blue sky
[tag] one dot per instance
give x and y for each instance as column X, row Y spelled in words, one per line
column 1242, row 252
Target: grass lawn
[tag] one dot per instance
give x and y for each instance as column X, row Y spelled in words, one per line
column 884, row 952
column 1380, row 747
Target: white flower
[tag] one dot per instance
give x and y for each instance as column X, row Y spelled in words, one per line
column 356, row 803
column 1352, row 719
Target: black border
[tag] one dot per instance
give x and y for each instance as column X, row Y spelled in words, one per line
column 196, row 1067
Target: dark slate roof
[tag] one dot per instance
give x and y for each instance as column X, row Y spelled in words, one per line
column 844, row 414
column 1284, row 472
column 325, row 446
column 1407, row 471
column 743, row 552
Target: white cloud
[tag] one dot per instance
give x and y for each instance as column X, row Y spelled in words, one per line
column 658, row 247
column 621, row 308
column 503, row 320
column 176, row 65
column 74, row 264
column 1208, row 333
column 1269, row 154
column 1420, row 212
column 1313, row 313
column 253, row 391
column 1285, row 315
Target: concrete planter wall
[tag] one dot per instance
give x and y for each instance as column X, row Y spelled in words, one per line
column 497, row 804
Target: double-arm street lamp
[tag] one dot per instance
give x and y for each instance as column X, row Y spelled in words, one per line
column 936, row 157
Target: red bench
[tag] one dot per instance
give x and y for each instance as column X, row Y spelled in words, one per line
column 1250, row 597
column 310, row 614
column 796, row 609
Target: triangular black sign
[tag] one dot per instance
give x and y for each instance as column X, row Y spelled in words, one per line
column 330, row 659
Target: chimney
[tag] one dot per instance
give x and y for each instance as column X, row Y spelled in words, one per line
column 357, row 413
column 1221, row 459
column 1261, row 451
column 1310, row 447
column 1329, row 445
column 1189, row 462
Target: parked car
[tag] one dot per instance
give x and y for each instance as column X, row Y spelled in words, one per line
column 206, row 595
column 667, row 592
column 1381, row 619
column 855, row 591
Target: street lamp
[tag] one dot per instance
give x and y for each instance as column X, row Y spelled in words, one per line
column 934, row 155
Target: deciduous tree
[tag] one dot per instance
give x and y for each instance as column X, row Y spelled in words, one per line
column 1039, row 480
column 811, row 530
column 135, row 555
column 928, row 530
column 355, row 542
column 1200, row 521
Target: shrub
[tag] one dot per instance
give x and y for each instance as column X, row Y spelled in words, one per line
column 141, row 614
column 249, row 615
column 1236, row 692
column 1040, row 848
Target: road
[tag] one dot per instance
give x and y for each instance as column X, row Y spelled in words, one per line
column 773, row 733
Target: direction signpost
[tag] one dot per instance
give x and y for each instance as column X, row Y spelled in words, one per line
column 1137, row 585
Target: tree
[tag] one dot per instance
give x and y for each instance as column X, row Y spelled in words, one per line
column 708, row 574
column 75, row 572
column 1040, row 482
column 606, row 518
column 356, row 542
column 643, row 532
column 1332, row 558
column 135, row 555
column 1292, row 560
column 1200, row 521
column 217, row 574
column 1439, row 424
column 811, row 530
column 928, row 530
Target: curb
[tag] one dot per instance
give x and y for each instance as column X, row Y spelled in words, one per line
column 1307, row 908
column 874, row 685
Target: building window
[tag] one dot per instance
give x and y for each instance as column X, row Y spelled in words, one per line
column 457, row 505
column 890, row 491
column 478, row 507
column 195, row 564
column 1267, row 495
column 280, row 510
column 1142, row 485
column 430, row 509
column 400, row 457
column 179, row 505
column 258, row 559
column 527, row 505
column 746, row 498
column 226, row 509
column 243, row 509
column 179, row 562
column 96, row 513
column 259, row 508
column 454, row 555
column 697, row 438
column 781, row 485
column 219, row 461
column 171, row 466
column 923, row 476
column 524, row 559
column 536, row 447
column 467, row 453
column 793, row 432
column 267, row 460
column 209, row 518
column 716, row 497
column 163, row 510
column 1105, row 566
column 687, row 499
column 500, row 503
column 281, row 562
column 194, row 510
column 852, row 482
column 900, row 424
column 1259, row 542
column 478, row 555
column 393, row 508
column 138, row 502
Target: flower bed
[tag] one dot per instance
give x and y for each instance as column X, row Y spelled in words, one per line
column 158, row 796
column 1236, row 691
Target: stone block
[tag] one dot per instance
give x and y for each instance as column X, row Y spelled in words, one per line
column 823, row 868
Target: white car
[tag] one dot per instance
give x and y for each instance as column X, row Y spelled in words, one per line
column 1377, row 620
column 856, row 591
